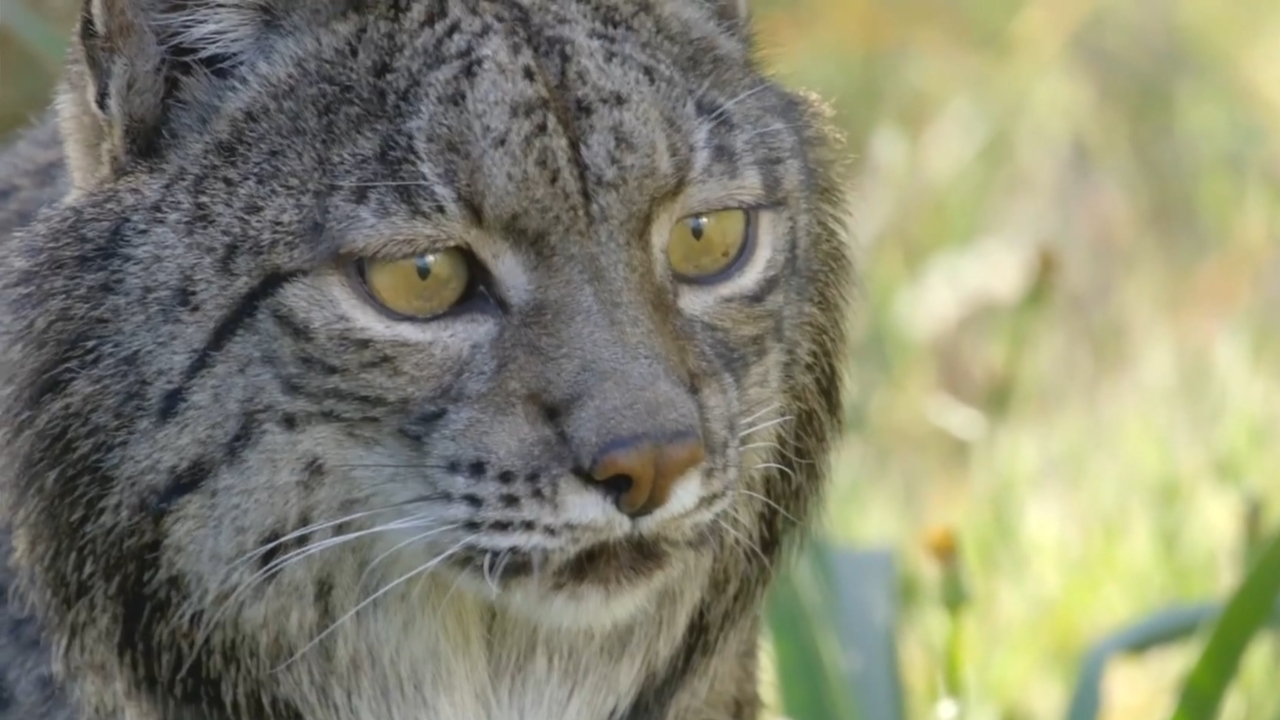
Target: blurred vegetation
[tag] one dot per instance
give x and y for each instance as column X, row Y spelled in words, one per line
column 1251, row 609
column 1068, row 213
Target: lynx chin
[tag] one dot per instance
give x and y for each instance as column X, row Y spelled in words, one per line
column 410, row 360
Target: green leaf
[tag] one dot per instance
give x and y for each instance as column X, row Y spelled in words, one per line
column 1246, row 613
column 833, row 616
column 809, row 662
column 1161, row 628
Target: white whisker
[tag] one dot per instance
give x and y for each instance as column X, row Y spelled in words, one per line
column 425, row 567
column 488, row 577
column 503, row 558
column 742, row 539
column 762, row 426
column 400, row 545
column 309, row 529
column 312, row 548
column 757, row 414
column 445, row 600
column 776, row 466
column 779, row 448
column 278, row 565
column 776, row 506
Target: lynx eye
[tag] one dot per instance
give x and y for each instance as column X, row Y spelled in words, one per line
column 701, row 247
column 417, row 288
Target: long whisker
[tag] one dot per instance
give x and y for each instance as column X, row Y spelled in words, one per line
column 503, row 558
column 776, row 466
column 444, row 601
column 780, row 449
column 775, row 505
column 425, row 567
column 742, row 539
column 762, row 426
column 277, row 565
column 401, row 545
column 757, row 414
column 312, row 548
column 488, row 577
column 310, row 529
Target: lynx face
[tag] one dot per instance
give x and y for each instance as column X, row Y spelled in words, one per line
column 517, row 301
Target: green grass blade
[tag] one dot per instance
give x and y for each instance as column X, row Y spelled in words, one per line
column 809, row 664
column 1164, row 627
column 1245, row 614
column 801, row 679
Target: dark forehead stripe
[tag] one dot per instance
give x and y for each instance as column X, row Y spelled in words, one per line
column 222, row 334
column 551, row 53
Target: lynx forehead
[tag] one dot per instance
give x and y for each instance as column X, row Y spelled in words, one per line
column 396, row 359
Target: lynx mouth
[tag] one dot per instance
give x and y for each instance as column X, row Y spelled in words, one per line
column 497, row 567
column 623, row 557
column 612, row 562
column 623, row 561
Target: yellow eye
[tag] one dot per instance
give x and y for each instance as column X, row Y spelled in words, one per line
column 420, row 287
column 702, row 246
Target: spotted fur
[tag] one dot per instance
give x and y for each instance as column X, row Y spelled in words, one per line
column 236, row 491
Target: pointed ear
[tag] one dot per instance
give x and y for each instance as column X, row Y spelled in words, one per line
column 131, row 61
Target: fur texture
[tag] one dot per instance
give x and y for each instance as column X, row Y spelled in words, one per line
column 238, row 491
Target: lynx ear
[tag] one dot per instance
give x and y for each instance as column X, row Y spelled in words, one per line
column 133, row 60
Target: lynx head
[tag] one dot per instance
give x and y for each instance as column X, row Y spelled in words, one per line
column 538, row 297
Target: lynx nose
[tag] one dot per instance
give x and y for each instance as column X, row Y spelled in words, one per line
column 640, row 471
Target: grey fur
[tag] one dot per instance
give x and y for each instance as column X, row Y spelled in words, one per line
column 192, row 394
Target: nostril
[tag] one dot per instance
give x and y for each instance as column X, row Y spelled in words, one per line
column 616, row 486
column 640, row 471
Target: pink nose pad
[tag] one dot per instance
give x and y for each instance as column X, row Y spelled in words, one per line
column 645, row 471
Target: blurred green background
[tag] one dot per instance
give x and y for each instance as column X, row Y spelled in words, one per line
column 1067, row 364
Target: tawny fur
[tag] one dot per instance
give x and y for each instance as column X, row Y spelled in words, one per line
column 234, row 490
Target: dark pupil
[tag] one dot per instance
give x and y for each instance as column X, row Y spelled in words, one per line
column 697, row 226
column 424, row 267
